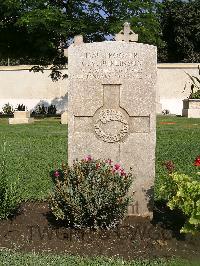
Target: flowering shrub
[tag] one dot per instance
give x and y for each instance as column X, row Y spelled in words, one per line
column 91, row 193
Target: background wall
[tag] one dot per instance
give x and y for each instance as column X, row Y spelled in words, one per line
column 172, row 79
column 18, row 85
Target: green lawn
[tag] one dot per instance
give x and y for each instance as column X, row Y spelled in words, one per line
column 31, row 151
column 18, row 259
column 178, row 142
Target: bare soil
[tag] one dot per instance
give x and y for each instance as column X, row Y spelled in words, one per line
column 35, row 229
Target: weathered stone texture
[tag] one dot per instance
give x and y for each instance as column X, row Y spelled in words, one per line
column 64, row 118
column 111, row 110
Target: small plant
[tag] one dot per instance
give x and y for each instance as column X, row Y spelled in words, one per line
column 187, row 199
column 165, row 184
column 195, row 86
column 165, row 112
column 9, row 196
column 21, row 107
column 91, row 193
column 51, row 110
column 182, row 192
column 7, row 109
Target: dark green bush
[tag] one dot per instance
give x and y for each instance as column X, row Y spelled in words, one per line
column 7, row 109
column 91, row 193
column 21, row 107
column 43, row 110
column 51, row 110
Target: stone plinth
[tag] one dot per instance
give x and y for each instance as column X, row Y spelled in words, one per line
column 111, row 110
column 191, row 108
column 64, row 118
column 21, row 117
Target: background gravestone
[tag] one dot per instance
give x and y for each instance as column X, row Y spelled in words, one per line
column 111, row 109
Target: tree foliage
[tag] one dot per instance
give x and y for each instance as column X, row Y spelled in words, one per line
column 36, row 30
column 180, row 23
column 141, row 14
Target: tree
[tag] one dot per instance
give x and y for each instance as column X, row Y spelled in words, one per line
column 31, row 30
column 142, row 16
column 36, row 31
column 180, row 23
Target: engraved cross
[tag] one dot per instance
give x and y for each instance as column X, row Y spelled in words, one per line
column 111, row 123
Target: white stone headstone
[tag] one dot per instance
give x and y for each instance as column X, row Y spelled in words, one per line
column 21, row 117
column 64, row 118
column 111, row 111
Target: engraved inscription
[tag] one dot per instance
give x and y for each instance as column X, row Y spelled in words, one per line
column 96, row 65
column 110, row 115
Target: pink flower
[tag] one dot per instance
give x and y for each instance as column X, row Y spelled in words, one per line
column 56, row 174
column 88, row 158
column 117, row 166
column 109, row 161
column 122, row 172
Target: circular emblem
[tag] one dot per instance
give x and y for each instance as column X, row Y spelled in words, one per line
column 105, row 118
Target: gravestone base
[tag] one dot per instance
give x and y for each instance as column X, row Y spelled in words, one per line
column 21, row 117
column 191, row 108
column 64, row 118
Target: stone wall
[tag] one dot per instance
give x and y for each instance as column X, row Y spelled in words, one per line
column 18, row 85
column 172, row 79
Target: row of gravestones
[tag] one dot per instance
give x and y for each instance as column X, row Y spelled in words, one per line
column 111, row 108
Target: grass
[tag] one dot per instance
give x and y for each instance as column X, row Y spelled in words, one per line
column 31, row 151
column 18, row 259
column 178, row 142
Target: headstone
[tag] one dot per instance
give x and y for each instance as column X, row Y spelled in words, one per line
column 64, row 118
column 21, row 117
column 191, row 108
column 111, row 110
